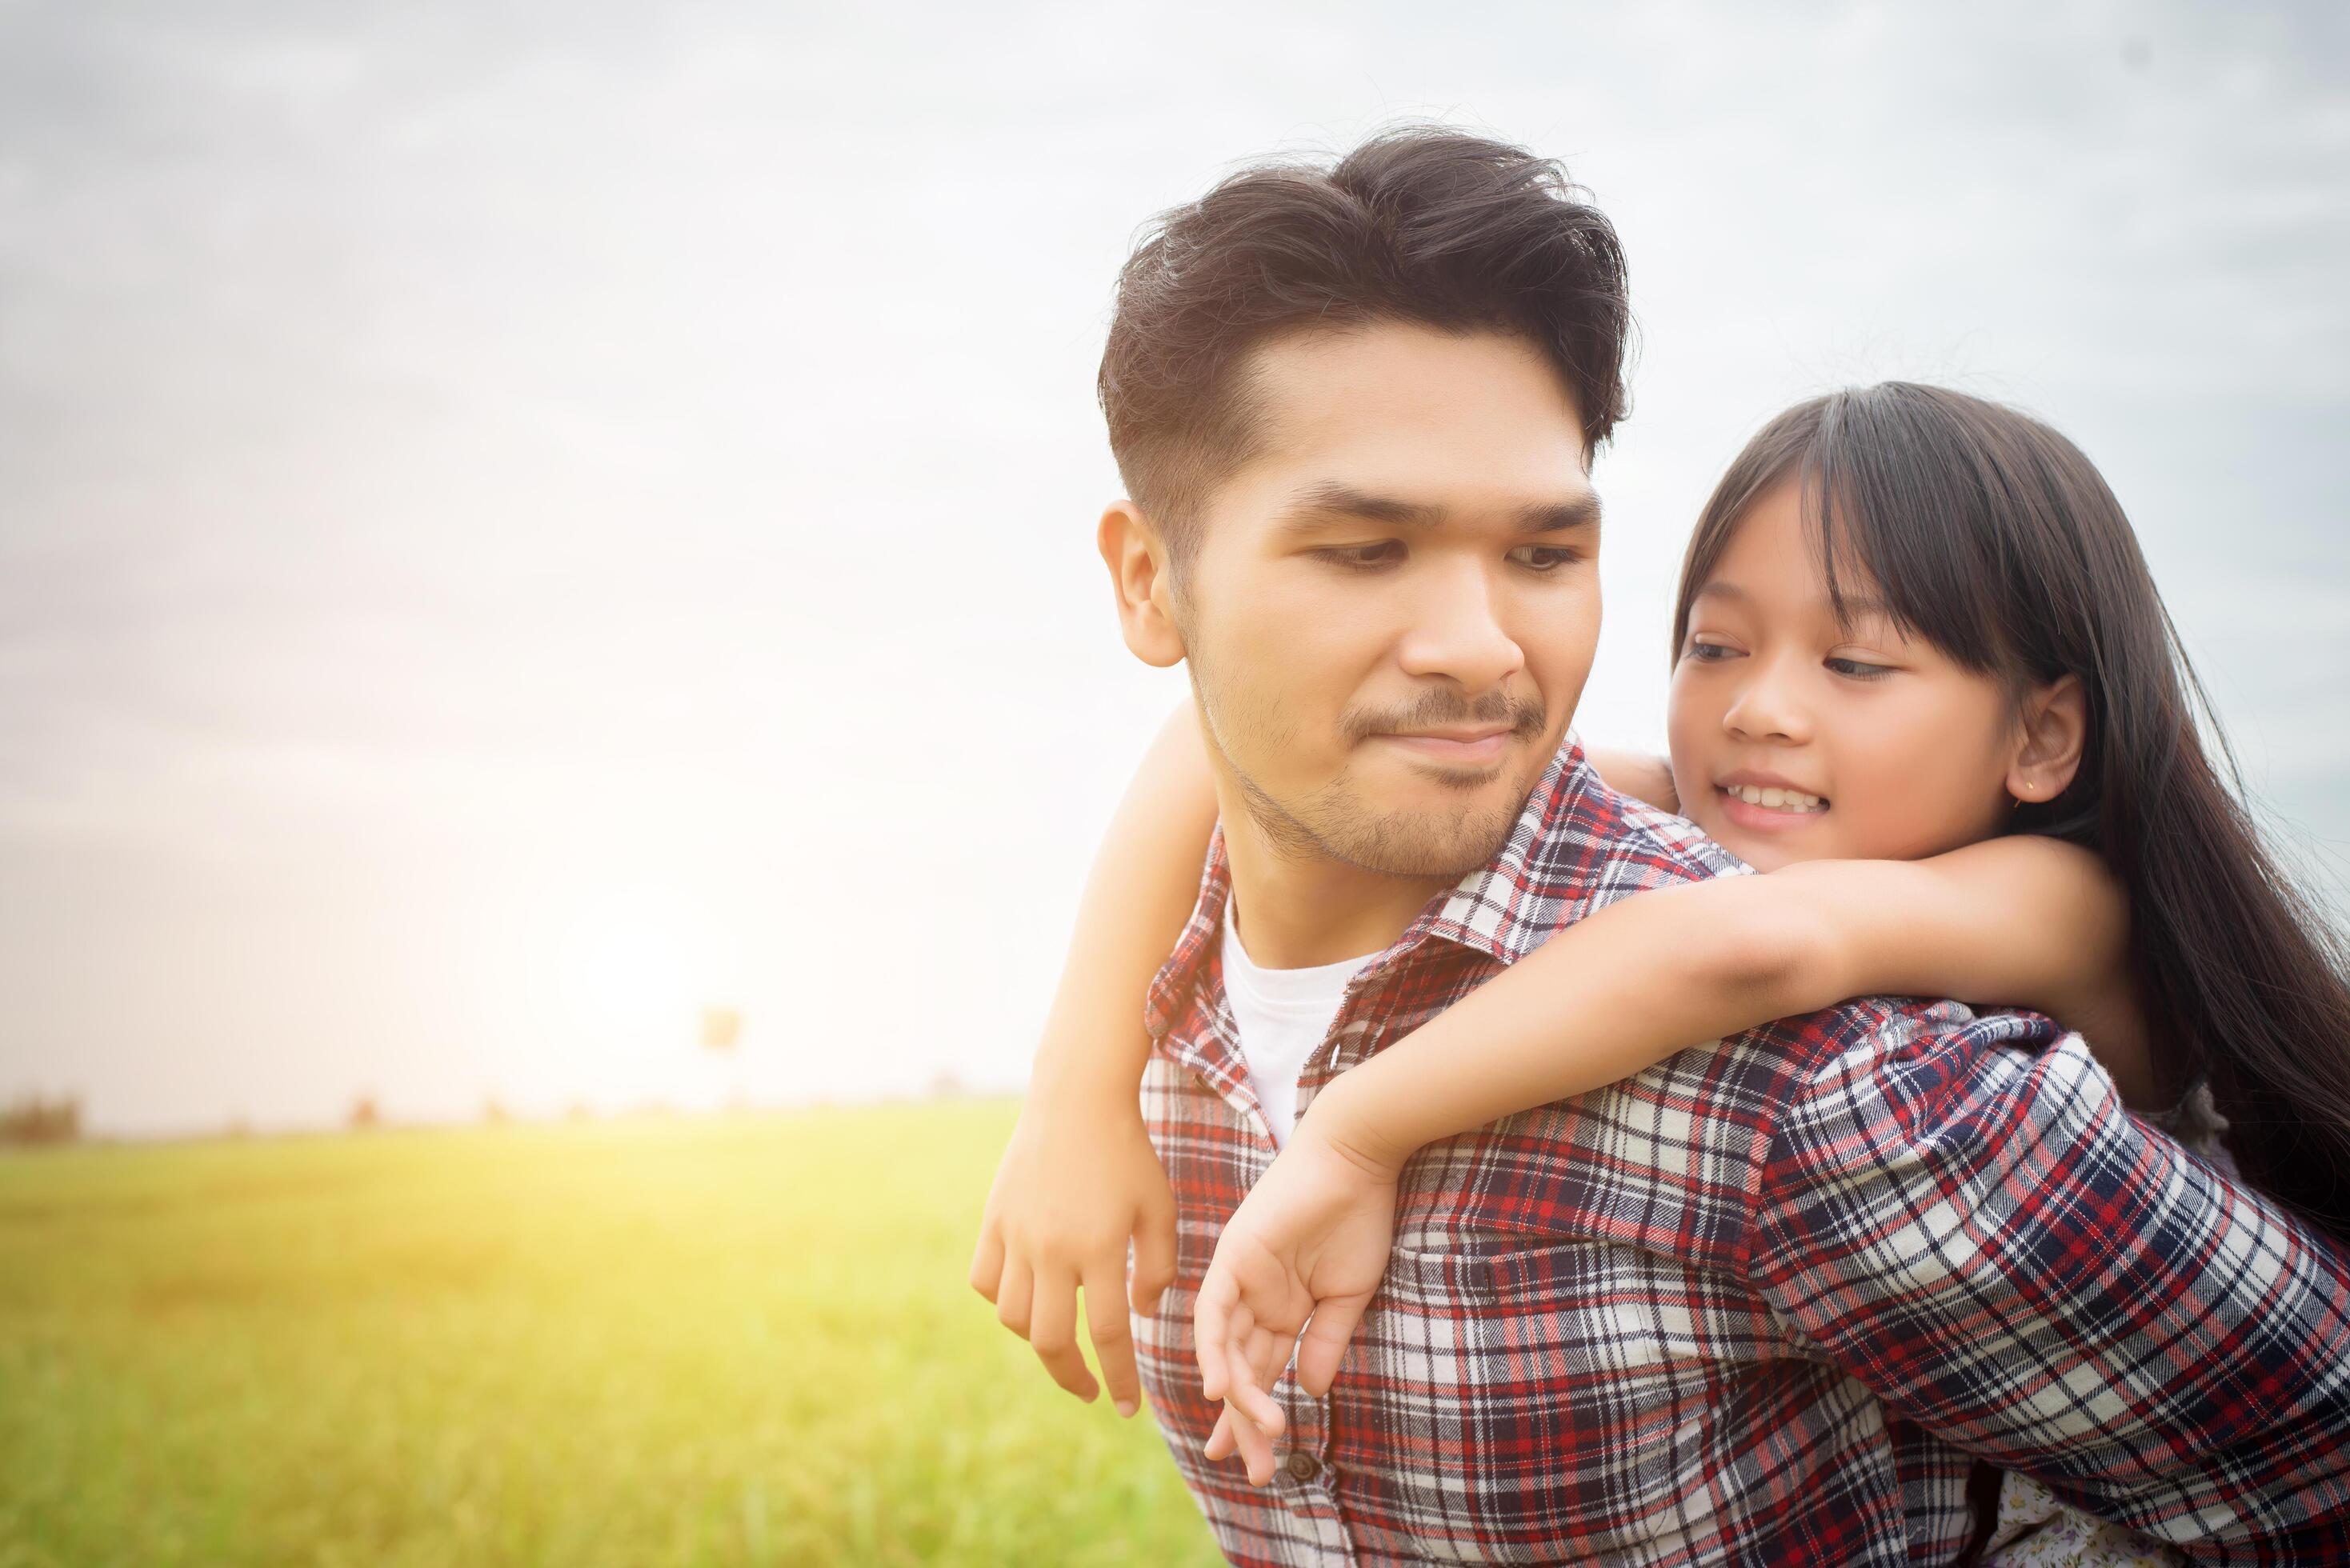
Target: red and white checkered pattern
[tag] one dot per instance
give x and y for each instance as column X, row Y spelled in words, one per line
column 1766, row 1301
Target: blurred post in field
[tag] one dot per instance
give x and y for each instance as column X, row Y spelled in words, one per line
column 721, row 1028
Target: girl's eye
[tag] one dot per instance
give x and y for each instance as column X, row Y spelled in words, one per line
column 1711, row 652
column 1856, row 669
column 1364, row 557
column 1544, row 557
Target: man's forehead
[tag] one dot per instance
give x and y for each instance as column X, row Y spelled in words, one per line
column 1394, row 371
column 1413, row 416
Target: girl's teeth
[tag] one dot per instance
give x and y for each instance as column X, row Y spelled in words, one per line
column 1777, row 799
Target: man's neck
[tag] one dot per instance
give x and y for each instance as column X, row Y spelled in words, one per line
column 1304, row 910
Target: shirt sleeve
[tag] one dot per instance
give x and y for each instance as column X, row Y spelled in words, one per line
column 1985, row 1238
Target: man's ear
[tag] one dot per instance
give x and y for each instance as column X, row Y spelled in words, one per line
column 2055, row 728
column 1136, row 558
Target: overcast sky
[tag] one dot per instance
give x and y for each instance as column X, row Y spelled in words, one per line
column 518, row 520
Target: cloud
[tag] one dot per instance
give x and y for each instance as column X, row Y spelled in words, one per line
column 452, row 460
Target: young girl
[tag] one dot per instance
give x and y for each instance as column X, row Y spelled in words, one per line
column 1923, row 678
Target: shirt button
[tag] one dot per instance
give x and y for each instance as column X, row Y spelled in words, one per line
column 1303, row 1464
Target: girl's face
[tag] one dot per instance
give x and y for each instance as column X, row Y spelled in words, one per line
column 1796, row 738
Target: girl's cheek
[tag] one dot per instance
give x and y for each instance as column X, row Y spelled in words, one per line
column 1916, row 789
column 1685, row 719
column 1686, row 755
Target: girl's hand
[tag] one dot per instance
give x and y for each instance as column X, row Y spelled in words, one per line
column 1305, row 1250
column 1077, row 1180
column 1236, row 1434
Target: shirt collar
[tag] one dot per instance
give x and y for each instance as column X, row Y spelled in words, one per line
column 1492, row 911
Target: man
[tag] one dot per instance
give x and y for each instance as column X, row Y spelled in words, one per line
column 1355, row 410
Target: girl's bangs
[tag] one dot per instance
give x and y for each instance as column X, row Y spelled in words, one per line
column 1895, row 525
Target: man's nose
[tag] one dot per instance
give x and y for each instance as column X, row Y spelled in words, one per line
column 1767, row 706
column 1458, row 632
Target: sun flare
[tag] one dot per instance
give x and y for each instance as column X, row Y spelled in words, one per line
column 631, row 978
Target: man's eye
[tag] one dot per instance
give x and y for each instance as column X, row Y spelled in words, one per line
column 1544, row 557
column 1857, row 669
column 1364, row 557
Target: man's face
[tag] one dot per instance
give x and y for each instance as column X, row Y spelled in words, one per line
column 1391, row 609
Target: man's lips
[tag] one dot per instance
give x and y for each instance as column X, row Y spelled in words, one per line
column 1467, row 746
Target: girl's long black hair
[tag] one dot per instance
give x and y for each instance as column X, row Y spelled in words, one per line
column 1992, row 537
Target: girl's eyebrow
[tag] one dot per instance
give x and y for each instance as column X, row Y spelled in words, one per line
column 1856, row 608
column 1852, row 610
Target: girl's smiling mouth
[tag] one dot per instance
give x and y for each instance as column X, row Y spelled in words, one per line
column 1767, row 802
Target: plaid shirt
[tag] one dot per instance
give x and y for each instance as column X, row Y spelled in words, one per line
column 1766, row 1301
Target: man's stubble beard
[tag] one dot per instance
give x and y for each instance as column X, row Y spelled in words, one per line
column 1422, row 845
column 1331, row 824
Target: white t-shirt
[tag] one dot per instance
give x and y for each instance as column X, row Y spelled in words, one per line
column 1282, row 1015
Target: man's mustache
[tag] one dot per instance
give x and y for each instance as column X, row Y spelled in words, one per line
column 1437, row 707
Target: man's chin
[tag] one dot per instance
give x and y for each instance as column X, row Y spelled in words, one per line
column 1426, row 822
column 1426, row 825
column 1438, row 843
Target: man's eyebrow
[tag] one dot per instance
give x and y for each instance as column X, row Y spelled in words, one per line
column 1561, row 517
column 1316, row 504
column 1332, row 501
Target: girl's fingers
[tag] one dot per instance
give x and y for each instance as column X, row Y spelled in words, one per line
column 1214, row 1313
column 1012, row 1292
column 1256, row 1448
column 1105, row 1325
column 1236, row 1434
column 1257, row 1364
column 1259, row 1407
column 1268, row 1352
column 1219, row 1441
column 1154, row 1252
column 1052, row 1333
column 1238, row 1368
column 1324, row 1347
column 987, row 1263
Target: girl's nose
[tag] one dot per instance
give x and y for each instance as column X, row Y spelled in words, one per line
column 1765, row 709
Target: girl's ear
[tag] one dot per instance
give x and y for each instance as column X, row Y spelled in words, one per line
column 2048, row 754
column 1136, row 558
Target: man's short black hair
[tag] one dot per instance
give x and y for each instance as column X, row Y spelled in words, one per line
column 1420, row 224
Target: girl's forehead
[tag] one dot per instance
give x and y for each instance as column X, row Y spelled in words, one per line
column 1775, row 560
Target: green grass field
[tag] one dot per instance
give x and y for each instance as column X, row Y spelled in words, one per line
column 664, row 1341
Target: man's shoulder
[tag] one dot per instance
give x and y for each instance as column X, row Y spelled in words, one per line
column 1603, row 845
column 1892, row 1100
column 1655, row 844
column 1930, row 1044
column 1577, row 847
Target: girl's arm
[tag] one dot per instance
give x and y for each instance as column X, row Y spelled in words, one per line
column 2021, row 921
column 1137, row 897
column 2017, row 920
column 1078, row 1179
